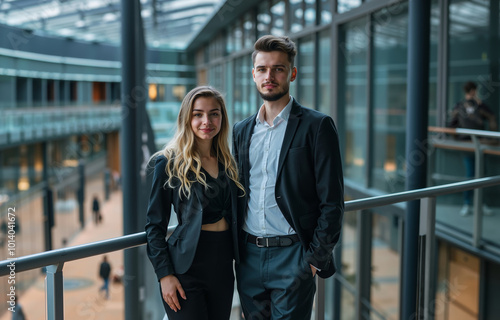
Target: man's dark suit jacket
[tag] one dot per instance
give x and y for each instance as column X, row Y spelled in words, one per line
column 309, row 185
column 175, row 255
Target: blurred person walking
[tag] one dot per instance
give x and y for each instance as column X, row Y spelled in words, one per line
column 104, row 273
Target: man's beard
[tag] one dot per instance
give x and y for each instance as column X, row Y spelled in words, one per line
column 274, row 96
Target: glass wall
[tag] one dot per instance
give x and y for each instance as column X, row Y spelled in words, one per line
column 263, row 19
column 433, row 70
column 346, row 5
column 353, row 92
column 390, row 43
column 326, row 11
column 470, row 39
column 277, row 18
column 457, row 294
column 306, row 72
column 348, row 270
column 385, row 280
column 296, row 15
column 245, row 102
column 324, row 72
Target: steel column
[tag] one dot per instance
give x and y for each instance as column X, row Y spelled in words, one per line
column 131, row 95
column 416, row 149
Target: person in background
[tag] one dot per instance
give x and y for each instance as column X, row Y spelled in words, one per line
column 104, row 272
column 96, row 213
column 197, row 176
column 471, row 113
column 289, row 162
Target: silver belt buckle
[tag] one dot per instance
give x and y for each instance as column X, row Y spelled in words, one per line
column 260, row 245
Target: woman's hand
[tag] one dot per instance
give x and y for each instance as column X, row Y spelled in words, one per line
column 170, row 285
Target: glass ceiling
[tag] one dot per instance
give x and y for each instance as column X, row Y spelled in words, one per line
column 168, row 24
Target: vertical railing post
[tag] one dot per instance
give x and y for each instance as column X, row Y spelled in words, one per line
column 55, row 292
column 427, row 259
column 478, row 193
column 319, row 313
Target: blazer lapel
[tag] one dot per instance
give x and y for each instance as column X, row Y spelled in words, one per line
column 291, row 128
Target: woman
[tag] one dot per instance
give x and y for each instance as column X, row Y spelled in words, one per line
column 196, row 174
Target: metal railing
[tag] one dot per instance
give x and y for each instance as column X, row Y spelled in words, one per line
column 479, row 147
column 54, row 260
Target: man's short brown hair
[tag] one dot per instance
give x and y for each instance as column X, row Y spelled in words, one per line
column 469, row 86
column 271, row 43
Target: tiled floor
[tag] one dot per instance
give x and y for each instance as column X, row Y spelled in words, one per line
column 81, row 297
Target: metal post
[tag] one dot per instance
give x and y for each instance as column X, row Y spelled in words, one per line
column 477, row 224
column 55, row 288
column 363, row 262
column 427, row 259
column 130, row 146
column 319, row 311
column 416, row 149
column 337, row 287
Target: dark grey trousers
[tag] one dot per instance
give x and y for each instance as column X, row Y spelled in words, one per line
column 275, row 283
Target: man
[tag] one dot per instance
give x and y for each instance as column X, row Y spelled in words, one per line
column 104, row 272
column 471, row 113
column 289, row 162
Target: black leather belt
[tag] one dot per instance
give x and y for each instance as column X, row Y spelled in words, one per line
column 279, row 241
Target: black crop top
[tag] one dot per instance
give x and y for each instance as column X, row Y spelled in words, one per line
column 217, row 197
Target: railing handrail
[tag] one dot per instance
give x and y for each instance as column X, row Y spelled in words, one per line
column 62, row 255
column 387, row 199
column 462, row 131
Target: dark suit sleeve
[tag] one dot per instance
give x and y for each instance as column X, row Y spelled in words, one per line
column 330, row 191
column 158, row 217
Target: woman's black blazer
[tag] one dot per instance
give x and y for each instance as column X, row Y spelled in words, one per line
column 175, row 255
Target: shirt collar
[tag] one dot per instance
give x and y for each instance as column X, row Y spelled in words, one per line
column 282, row 116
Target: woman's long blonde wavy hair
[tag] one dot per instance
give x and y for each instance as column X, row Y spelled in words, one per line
column 181, row 153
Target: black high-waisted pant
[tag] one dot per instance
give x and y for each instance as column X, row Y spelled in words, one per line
column 209, row 282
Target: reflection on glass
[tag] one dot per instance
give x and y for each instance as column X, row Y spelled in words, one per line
column 238, row 35
column 457, row 292
column 385, row 266
column 263, row 19
column 297, row 14
column 326, row 11
column 346, row 5
column 244, row 98
column 230, row 40
column 469, row 40
column 306, row 75
column 435, row 23
column 348, row 305
column 349, row 245
column 278, row 12
column 248, row 31
column 324, row 72
column 353, row 56
column 310, row 13
column 389, row 97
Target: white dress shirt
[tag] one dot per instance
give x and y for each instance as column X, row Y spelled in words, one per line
column 264, row 217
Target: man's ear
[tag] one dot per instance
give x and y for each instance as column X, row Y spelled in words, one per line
column 294, row 74
column 253, row 74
